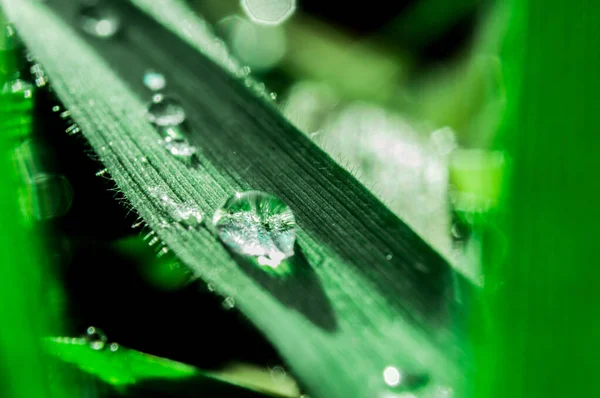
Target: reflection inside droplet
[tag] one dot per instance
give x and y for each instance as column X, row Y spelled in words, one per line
column 257, row 224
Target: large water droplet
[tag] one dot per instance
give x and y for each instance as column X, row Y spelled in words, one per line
column 164, row 111
column 154, row 81
column 99, row 20
column 257, row 224
column 95, row 338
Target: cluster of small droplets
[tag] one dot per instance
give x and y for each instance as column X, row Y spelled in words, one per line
column 39, row 76
column 168, row 116
column 197, row 32
column 97, row 340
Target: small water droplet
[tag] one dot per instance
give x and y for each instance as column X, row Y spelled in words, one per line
column 96, row 338
column 210, row 287
column 113, row 347
column 400, row 380
column 99, row 20
column 244, row 72
column 164, row 111
column 228, row 303
column 389, row 257
column 187, row 214
column 180, row 149
column 257, row 224
column 273, row 96
column 102, row 173
column 277, row 374
column 392, row 376
column 18, row 87
column 154, row 81
column 153, row 241
column 55, row 108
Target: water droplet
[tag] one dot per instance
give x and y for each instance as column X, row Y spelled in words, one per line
column 257, row 224
column 180, row 149
column 277, row 374
column 244, row 72
column 164, row 111
column 154, row 81
column 228, row 303
column 269, row 12
column 187, row 214
column 95, row 338
column 392, row 376
column 101, row 173
column 99, row 20
column 273, row 96
column 399, row 380
column 18, row 87
column 113, row 347
column 389, row 257
column 55, row 108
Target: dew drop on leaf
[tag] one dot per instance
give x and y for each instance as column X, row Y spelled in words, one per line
column 186, row 214
column 182, row 150
column 99, row 20
column 96, row 338
column 259, row 225
column 164, row 111
column 398, row 380
column 154, row 81
column 228, row 303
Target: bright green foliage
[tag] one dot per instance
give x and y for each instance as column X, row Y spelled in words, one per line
column 23, row 367
column 543, row 321
column 114, row 364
